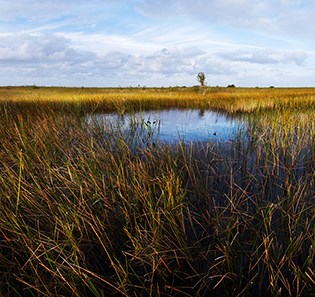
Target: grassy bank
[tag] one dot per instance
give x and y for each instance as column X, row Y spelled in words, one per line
column 88, row 211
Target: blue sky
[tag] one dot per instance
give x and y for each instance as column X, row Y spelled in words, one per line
column 157, row 43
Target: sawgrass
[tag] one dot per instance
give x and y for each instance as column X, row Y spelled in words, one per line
column 232, row 100
column 86, row 210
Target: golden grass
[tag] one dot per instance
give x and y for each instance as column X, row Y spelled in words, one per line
column 124, row 99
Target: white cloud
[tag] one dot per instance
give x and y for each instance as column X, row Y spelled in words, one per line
column 271, row 17
column 44, row 48
column 266, row 56
column 80, row 59
column 51, row 56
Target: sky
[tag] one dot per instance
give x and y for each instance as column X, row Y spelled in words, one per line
column 111, row 43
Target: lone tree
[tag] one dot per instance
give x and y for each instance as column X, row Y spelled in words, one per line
column 201, row 77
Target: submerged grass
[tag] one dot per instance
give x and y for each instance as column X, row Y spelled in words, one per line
column 86, row 210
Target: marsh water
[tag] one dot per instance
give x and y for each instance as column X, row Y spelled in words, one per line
column 173, row 125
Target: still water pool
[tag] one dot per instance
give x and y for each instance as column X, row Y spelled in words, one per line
column 173, row 125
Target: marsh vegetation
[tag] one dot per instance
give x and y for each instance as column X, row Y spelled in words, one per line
column 87, row 209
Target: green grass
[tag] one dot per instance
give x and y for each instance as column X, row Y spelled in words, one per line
column 87, row 210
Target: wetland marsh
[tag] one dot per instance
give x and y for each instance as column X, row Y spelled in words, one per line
column 92, row 208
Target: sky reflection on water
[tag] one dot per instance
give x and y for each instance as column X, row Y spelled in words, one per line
column 174, row 124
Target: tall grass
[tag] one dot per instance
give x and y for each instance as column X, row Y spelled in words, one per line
column 86, row 210
column 232, row 100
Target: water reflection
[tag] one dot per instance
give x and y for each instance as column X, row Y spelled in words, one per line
column 174, row 124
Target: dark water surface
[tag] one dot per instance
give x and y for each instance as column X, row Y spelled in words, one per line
column 173, row 125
